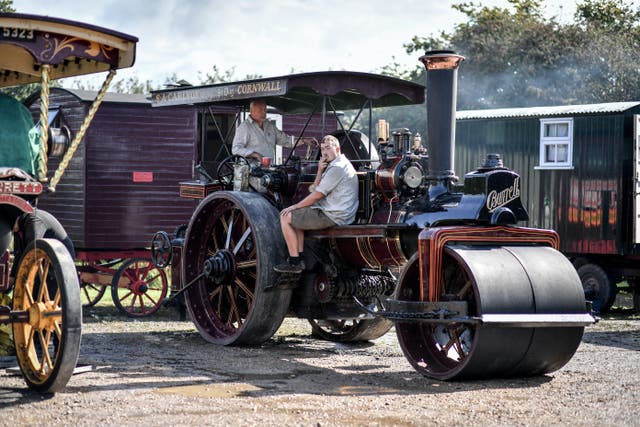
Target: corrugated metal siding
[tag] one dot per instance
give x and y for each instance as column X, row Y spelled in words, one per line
column 515, row 140
column 123, row 214
column 67, row 204
column 551, row 111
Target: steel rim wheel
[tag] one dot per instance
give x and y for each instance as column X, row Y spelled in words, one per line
column 139, row 287
column 350, row 330
column 48, row 344
column 495, row 280
column 235, row 305
column 598, row 286
column 436, row 351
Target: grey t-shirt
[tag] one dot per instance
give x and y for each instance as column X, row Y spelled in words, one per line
column 339, row 184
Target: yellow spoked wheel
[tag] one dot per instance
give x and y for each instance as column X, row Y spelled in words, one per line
column 47, row 334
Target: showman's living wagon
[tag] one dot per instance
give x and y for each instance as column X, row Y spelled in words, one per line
column 46, row 313
column 119, row 188
column 470, row 293
column 582, row 169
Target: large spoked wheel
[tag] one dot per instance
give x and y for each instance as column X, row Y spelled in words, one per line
column 494, row 280
column 350, row 330
column 48, row 343
column 139, row 287
column 232, row 244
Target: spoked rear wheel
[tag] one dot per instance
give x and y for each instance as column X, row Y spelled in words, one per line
column 139, row 287
column 236, row 238
column 48, row 343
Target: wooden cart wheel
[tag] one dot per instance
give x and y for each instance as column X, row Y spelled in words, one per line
column 350, row 330
column 235, row 237
column 139, row 288
column 48, row 343
column 92, row 293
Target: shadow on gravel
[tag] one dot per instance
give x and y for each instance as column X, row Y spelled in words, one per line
column 182, row 363
column 628, row 340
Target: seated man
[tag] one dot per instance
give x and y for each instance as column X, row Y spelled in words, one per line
column 333, row 201
column 256, row 137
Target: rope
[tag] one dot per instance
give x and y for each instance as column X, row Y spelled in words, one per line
column 41, row 170
column 64, row 163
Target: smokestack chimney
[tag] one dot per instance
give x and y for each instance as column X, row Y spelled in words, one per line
column 442, row 76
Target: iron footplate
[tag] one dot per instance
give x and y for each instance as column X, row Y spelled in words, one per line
column 457, row 312
column 285, row 281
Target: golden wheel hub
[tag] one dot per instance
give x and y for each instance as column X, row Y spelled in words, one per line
column 44, row 315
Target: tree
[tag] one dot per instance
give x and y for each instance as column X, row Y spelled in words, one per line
column 6, row 6
column 516, row 57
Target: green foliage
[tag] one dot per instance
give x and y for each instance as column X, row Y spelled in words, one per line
column 516, row 57
column 7, row 6
column 216, row 76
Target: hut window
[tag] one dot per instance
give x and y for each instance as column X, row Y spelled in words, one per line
column 556, row 143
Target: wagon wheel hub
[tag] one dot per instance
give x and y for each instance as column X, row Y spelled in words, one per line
column 221, row 266
column 139, row 287
column 44, row 315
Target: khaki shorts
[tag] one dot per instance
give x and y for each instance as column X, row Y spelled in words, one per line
column 310, row 219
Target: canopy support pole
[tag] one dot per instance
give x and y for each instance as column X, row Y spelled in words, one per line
column 41, row 170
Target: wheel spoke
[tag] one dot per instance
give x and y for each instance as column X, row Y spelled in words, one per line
column 246, row 264
column 146, row 295
column 246, row 234
column 30, row 338
column 229, row 230
column 125, row 296
column 234, row 308
column 45, row 360
column 246, row 290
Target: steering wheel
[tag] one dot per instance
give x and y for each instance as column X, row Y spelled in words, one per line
column 161, row 249
column 224, row 172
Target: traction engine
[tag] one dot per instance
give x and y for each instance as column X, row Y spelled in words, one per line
column 469, row 292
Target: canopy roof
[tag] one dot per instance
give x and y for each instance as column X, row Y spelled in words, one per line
column 72, row 48
column 301, row 93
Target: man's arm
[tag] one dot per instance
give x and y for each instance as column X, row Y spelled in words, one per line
column 307, row 201
column 312, row 198
column 282, row 138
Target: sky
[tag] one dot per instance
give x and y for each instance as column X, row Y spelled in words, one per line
column 267, row 38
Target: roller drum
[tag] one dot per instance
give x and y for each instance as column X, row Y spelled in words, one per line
column 500, row 280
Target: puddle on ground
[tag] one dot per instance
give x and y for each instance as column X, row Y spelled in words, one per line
column 211, row 390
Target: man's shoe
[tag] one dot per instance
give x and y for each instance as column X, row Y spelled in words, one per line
column 289, row 268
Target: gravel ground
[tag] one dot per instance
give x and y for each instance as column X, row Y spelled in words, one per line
column 159, row 371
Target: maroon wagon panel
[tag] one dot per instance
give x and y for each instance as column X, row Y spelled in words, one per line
column 135, row 160
column 122, row 185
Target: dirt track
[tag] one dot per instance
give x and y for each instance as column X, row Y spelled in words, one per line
column 161, row 372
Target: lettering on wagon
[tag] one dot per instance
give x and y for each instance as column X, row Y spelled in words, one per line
column 221, row 93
